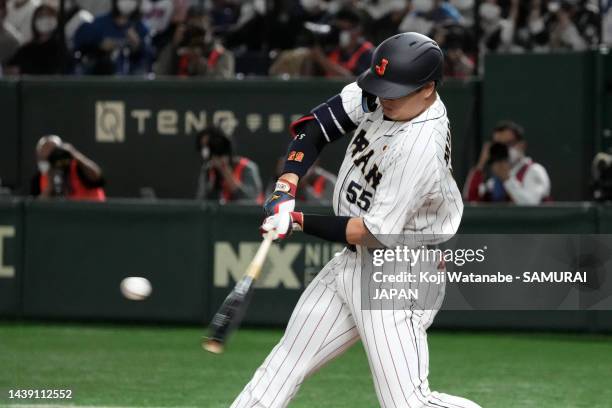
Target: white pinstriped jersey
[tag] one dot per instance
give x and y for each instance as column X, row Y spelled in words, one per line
column 398, row 175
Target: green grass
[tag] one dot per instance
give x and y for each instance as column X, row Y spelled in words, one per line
column 149, row 366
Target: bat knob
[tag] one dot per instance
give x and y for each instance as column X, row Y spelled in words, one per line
column 212, row 346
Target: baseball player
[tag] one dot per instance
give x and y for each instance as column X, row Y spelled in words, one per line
column 395, row 179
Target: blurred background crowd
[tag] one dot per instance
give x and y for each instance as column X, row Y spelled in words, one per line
column 233, row 38
column 288, row 39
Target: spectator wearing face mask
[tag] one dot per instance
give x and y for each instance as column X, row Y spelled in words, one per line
column 353, row 54
column 19, row 15
column 45, row 54
column 504, row 173
column 10, row 38
column 194, row 51
column 225, row 177
column 115, row 43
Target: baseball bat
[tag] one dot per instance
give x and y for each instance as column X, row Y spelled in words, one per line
column 231, row 312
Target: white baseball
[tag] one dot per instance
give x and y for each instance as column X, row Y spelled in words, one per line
column 136, row 288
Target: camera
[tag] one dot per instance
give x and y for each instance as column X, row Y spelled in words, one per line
column 59, row 171
column 498, row 152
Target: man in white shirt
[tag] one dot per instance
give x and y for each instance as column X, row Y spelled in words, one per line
column 505, row 173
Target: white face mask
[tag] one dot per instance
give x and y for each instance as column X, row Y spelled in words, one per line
column 345, row 38
column 514, row 155
column 489, row 12
column 422, row 6
column 43, row 166
column 45, row 25
column 205, row 152
column 127, row 7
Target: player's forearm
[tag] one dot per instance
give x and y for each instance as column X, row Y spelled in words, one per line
column 290, row 177
column 345, row 230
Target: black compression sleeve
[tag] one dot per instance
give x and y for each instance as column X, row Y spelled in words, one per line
column 304, row 148
column 328, row 227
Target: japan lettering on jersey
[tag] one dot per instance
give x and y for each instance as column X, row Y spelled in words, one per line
column 398, row 175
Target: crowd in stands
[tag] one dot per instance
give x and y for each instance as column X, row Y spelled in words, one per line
column 225, row 38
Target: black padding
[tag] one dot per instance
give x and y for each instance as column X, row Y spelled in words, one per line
column 337, row 109
column 326, row 120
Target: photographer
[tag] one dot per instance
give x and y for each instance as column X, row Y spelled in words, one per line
column 353, row 53
column 63, row 171
column 194, row 51
column 504, row 173
column 225, row 177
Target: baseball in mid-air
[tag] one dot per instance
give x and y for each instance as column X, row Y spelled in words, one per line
column 136, row 288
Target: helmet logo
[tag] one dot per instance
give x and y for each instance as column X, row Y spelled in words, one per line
column 380, row 69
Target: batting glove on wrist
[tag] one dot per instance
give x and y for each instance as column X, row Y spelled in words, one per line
column 281, row 225
column 282, row 199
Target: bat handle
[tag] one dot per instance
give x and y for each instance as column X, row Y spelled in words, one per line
column 260, row 257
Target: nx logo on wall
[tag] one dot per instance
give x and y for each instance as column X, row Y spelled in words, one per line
column 230, row 264
column 112, row 120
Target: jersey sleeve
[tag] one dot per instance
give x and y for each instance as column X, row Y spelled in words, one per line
column 405, row 185
column 351, row 102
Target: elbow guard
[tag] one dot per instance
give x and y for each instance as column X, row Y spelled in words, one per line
column 334, row 120
column 326, row 123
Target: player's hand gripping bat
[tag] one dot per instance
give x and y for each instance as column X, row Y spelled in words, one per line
column 232, row 310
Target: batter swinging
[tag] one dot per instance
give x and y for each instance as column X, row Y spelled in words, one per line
column 395, row 179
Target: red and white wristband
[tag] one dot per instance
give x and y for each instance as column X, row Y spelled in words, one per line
column 285, row 186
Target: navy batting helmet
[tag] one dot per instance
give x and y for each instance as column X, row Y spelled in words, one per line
column 402, row 64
